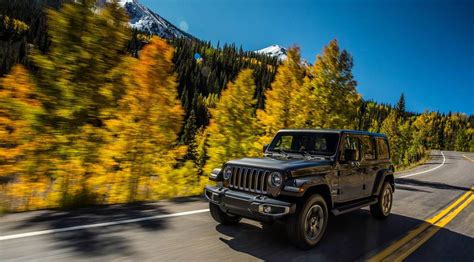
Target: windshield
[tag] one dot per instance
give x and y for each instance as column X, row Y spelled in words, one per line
column 310, row 142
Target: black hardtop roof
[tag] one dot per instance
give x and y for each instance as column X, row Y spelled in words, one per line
column 338, row 131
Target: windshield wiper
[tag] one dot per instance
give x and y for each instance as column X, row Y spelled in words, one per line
column 309, row 156
column 284, row 152
column 305, row 153
column 281, row 152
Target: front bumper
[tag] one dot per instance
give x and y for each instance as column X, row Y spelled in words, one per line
column 257, row 207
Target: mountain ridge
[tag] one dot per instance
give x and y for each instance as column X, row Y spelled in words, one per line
column 144, row 19
column 275, row 51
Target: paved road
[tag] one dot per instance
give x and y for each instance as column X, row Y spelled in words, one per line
column 167, row 231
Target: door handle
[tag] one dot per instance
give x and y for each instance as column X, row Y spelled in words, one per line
column 355, row 164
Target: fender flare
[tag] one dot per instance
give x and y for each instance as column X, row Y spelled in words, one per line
column 382, row 175
column 302, row 186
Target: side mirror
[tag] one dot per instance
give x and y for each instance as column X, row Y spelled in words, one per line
column 214, row 173
column 265, row 147
column 350, row 155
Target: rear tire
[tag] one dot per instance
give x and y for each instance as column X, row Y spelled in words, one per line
column 307, row 226
column 381, row 209
column 221, row 217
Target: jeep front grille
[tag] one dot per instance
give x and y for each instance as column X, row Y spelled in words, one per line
column 249, row 179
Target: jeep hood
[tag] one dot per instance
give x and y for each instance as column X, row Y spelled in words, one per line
column 279, row 164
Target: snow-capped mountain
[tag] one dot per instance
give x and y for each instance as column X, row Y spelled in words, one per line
column 280, row 52
column 275, row 51
column 143, row 19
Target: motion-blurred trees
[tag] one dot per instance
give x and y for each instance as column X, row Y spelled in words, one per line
column 142, row 150
column 18, row 109
column 76, row 81
column 20, row 140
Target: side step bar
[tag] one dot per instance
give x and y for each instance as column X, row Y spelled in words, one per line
column 353, row 206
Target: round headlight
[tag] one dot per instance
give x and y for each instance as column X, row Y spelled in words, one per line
column 227, row 173
column 276, row 178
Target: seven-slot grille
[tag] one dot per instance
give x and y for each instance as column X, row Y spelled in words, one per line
column 249, row 179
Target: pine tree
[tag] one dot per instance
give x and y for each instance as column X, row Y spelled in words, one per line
column 401, row 106
column 232, row 129
column 334, row 87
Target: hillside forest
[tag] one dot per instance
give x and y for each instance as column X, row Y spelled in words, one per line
column 93, row 112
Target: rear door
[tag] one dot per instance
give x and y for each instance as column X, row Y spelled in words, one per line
column 368, row 166
column 383, row 153
column 351, row 179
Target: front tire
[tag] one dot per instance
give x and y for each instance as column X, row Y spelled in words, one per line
column 307, row 226
column 221, row 217
column 381, row 209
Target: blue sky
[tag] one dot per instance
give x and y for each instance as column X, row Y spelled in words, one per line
column 422, row 48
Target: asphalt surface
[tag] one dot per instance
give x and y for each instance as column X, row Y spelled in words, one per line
column 161, row 232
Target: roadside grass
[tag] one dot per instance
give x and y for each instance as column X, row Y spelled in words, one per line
column 422, row 161
column 89, row 200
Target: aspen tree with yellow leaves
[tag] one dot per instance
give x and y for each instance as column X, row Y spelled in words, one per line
column 19, row 108
column 142, row 151
column 282, row 104
column 232, row 131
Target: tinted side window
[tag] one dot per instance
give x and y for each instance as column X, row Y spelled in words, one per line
column 353, row 143
column 368, row 145
column 382, row 146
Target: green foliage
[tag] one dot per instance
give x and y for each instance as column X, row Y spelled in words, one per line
column 412, row 137
column 199, row 79
column 75, row 80
column 86, row 47
column 335, row 89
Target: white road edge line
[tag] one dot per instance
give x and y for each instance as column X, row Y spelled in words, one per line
column 112, row 223
column 426, row 171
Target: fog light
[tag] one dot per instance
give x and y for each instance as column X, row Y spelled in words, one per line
column 267, row 209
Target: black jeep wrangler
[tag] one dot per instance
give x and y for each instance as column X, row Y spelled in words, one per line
column 304, row 175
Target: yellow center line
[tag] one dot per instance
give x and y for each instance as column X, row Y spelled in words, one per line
column 412, row 247
column 434, row 221
column 468, row 158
